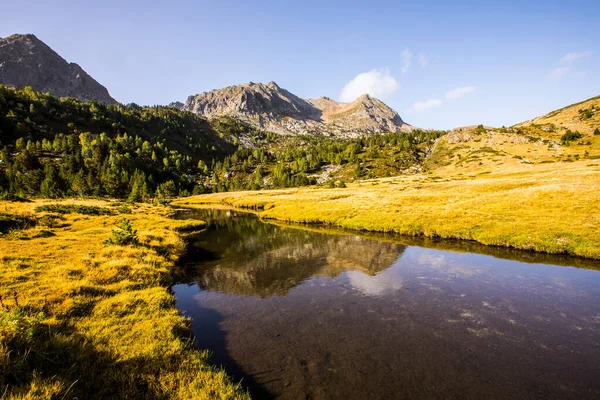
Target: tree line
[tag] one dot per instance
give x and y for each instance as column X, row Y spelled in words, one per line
column 64, row 147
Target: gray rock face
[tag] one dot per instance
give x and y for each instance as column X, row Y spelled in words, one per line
column 27, row 61
column 269, row 107
column 177, row 104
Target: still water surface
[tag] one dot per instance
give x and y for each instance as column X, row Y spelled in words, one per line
column 309, row 314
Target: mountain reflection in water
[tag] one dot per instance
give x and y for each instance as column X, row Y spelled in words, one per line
column 255, row 258
column 319, row 314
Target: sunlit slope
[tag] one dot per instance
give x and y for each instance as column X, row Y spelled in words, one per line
column 468, row 151
column 547, row 207
column 583, row 117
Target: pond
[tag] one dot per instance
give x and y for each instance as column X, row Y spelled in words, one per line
column 313, row 313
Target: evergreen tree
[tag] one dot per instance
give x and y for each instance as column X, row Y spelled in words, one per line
column 166, row 192
column 139, row 187
column 79, row 184
column 51, row 185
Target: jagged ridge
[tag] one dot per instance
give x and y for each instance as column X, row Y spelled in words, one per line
column 270, row 107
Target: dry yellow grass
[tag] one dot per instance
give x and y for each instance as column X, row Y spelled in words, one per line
column 570, row 118
column 553, row 208
column 103, row 323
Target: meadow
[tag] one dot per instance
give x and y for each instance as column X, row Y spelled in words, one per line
column 81, row 317
column 544, row 207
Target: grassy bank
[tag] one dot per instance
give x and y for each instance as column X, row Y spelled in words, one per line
column 552, row 208
column 80, row 318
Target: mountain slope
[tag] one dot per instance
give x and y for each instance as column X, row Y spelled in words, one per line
column 565, row 135
column 583, row 117
column 27, row 61
column 272, row 108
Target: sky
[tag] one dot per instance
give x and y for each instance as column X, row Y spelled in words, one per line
column 440, row 64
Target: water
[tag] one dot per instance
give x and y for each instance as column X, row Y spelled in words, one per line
column 311, row 314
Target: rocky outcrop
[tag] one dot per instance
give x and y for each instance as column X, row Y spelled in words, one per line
column 272, row 108
column 177, row 104
column 27, row 61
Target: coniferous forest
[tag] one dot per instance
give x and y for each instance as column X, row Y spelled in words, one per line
column 64, row 147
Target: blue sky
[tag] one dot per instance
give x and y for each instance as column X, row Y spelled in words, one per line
column 440, row 64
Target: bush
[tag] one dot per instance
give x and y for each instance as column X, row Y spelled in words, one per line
column 124, row 209
column 50, row 221
column 123, row 234
column 585, row 113
column 597, row 132
column 16, row 221
column 569, row 136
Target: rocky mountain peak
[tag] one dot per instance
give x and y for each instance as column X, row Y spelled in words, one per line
column 27, row 61
column 270, row 107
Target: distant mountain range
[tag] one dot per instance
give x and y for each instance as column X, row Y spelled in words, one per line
column 272, row 108
column 27, row 61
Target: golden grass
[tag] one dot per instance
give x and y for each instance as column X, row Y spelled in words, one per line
column 109, row 327
column 569, row 117
column 553, row 208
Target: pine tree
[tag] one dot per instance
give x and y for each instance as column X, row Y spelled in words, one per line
column 165, row 192
column 139, row 187
column 51, row 186
column 123, row 234
column 79, row 184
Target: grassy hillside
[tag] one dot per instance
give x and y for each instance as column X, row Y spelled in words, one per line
column 562, row 136
column 483, row 151
column 36, row 116
column 546, row 207
column 83, row 318
column 583, row 117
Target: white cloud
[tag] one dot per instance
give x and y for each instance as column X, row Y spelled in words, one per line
column 377, row 83
column 386, row 282
column 420, row 106
column 423, row 60
column 406, row 60
column 570, row 58
column 459, row 92
column 565, row 64
column 558, row 72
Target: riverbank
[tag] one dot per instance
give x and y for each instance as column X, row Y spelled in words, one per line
column 549, row 208
column 81, row 318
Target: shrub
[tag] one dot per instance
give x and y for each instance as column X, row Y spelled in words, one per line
column 597, row 132
column 15, row 221
column 585, row 113
column 123, row 234
column 49, row 221
column 124, row 209
column 569, row 136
